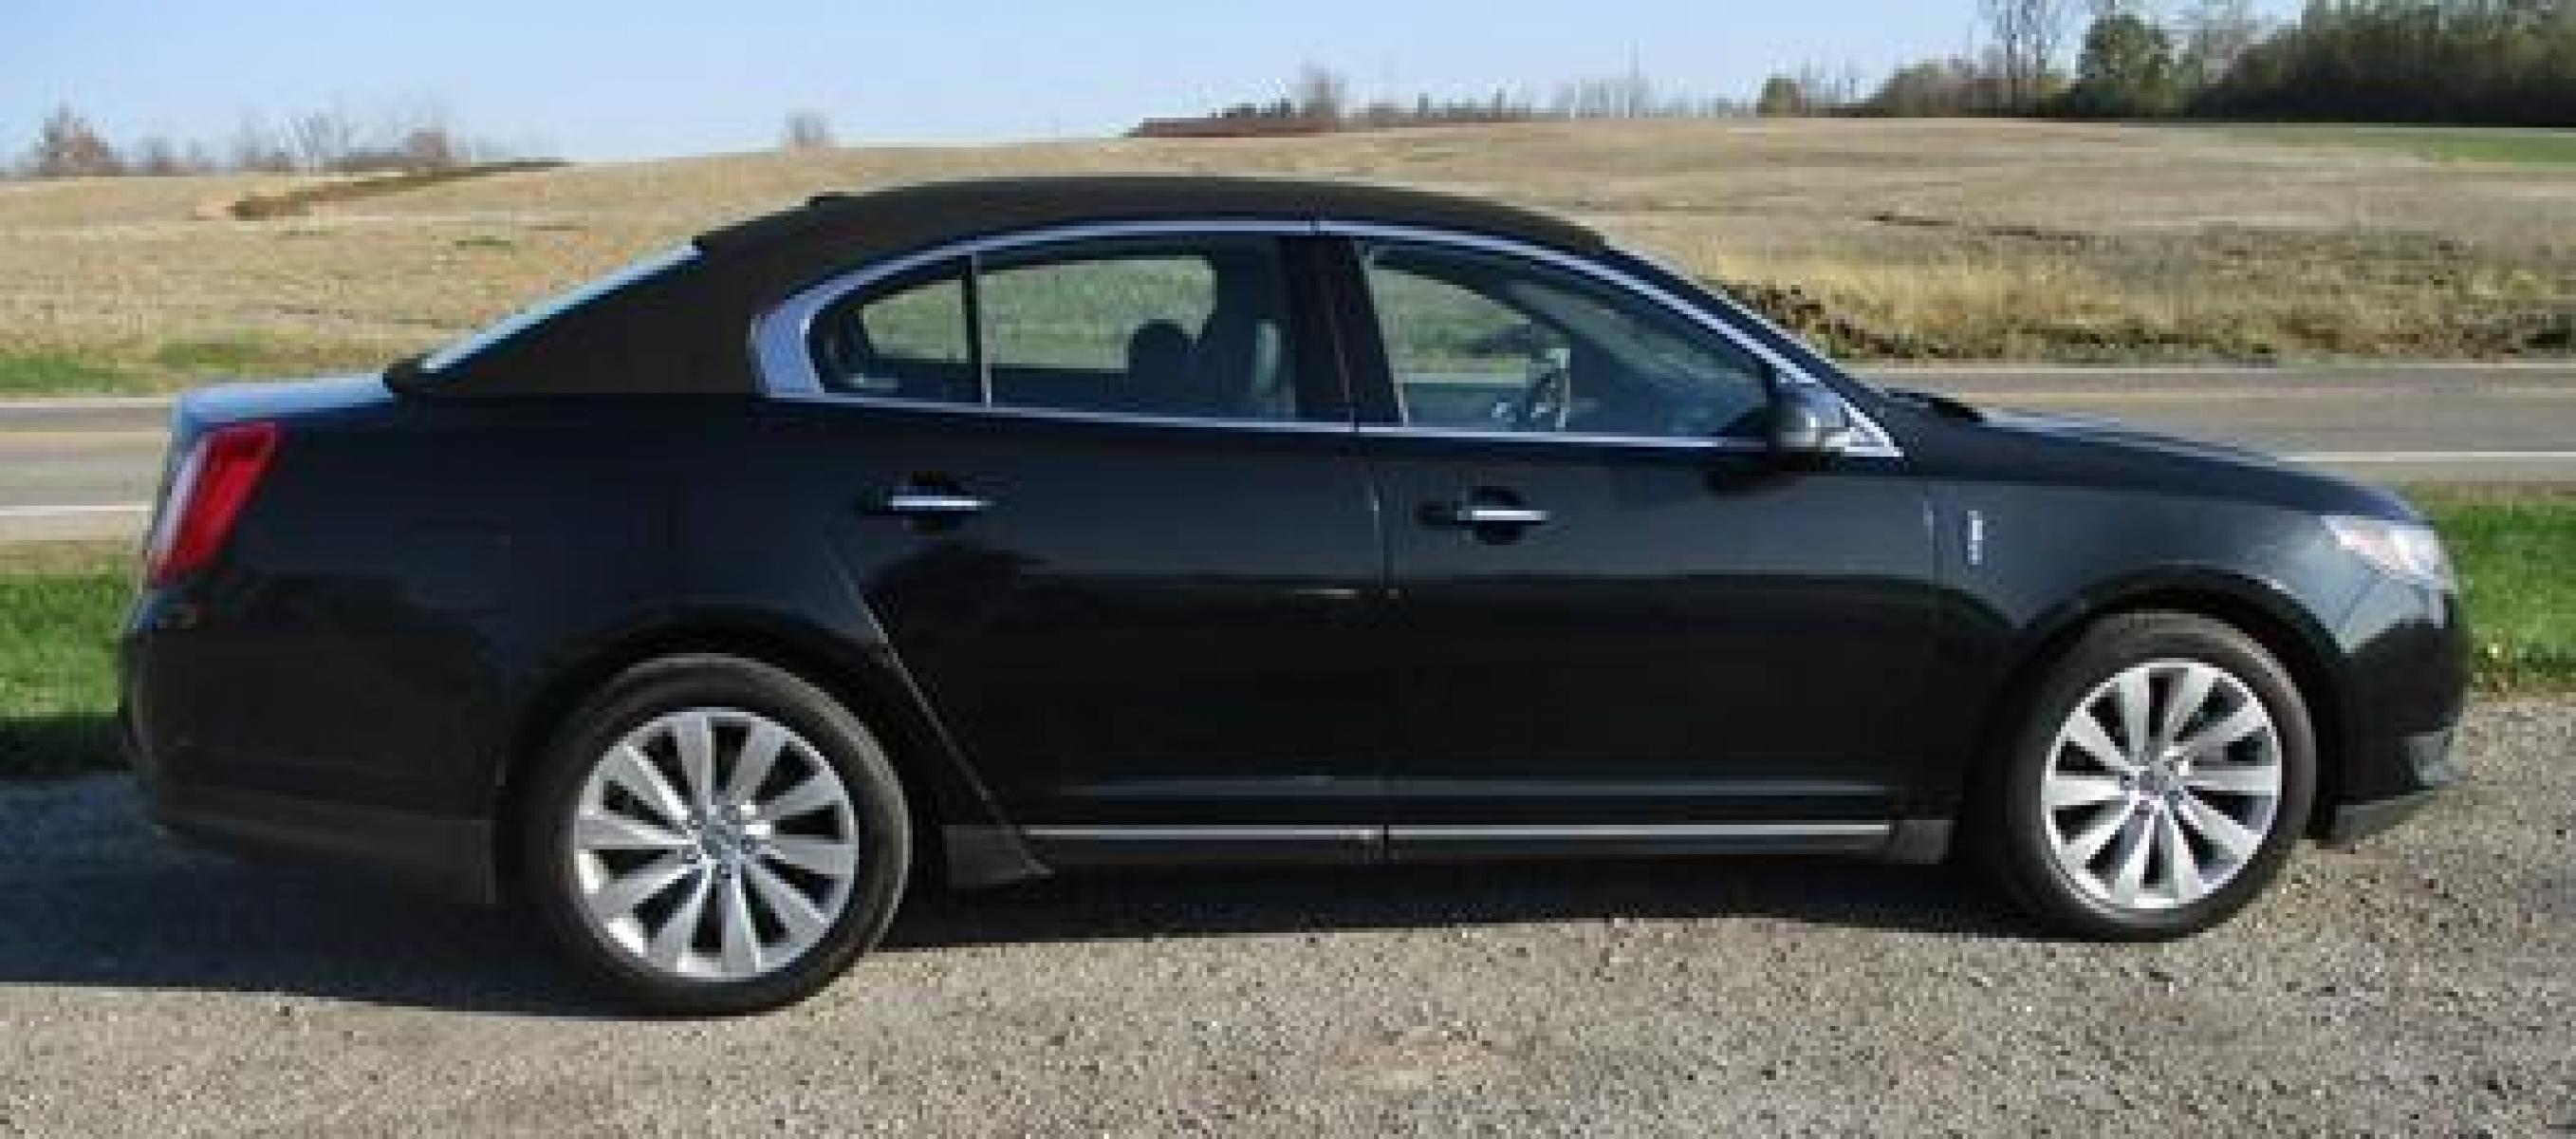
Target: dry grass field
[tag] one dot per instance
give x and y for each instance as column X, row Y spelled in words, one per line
column 1916, row 239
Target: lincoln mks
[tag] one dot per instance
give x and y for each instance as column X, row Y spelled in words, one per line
column 975, row 532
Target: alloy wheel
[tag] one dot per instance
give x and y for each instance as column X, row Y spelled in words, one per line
column 713, row 844
column 2163, row 783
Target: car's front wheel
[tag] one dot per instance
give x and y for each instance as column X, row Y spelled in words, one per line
column 2160, row 777
column 711, row 835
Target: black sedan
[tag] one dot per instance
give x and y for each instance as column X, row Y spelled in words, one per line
column 980, row 531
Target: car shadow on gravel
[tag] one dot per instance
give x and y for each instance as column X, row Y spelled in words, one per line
column 90, row 897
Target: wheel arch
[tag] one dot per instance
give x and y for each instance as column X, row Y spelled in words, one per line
column 2262, row 610
column 945, row 796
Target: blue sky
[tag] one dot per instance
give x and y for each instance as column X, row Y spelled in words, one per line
column 635, row 78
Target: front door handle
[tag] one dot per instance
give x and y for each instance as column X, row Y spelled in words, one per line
column 935, row 504
column 1487, row 514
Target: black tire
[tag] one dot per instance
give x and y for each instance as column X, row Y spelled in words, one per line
column 2009, row 838
column 549, row 882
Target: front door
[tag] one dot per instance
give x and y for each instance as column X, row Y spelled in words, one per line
column 1616, row 616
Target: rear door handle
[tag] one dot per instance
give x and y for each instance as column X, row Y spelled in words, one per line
column 935, row 504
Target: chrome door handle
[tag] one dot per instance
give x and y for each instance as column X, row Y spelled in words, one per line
column 1489, row 514
column 935, row 504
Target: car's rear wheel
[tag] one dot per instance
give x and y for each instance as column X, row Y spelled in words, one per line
column 710, row 834
column 2159, row 780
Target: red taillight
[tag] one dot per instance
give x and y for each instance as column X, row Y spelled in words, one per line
column 206, row 497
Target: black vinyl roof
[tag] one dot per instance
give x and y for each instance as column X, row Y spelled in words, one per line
column 687, row 330
column 936, row 212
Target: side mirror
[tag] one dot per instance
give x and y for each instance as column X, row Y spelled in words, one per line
column 1808, row 423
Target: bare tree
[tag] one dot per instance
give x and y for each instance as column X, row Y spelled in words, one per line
column 67, row 146
column 2215, row 34
column 155, row 156
column 806, row 130
column 324, row 139
column 256, row 148
column 1320, row 93
column 2027, row 36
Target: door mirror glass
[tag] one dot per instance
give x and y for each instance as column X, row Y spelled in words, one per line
column 1809, row 422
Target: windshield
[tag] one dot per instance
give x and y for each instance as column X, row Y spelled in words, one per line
column 536, row 314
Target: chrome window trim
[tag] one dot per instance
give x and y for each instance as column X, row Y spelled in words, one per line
column 785, row 368
column 1637, row 442
column 780, row 336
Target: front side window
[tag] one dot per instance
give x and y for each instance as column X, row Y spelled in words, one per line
column 1481, row 341
column 1192, row 327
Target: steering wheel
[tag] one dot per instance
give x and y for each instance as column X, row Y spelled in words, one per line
column 1546, row 401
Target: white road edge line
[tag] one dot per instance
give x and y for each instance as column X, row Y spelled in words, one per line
column 75, row 511
column 2433, row 456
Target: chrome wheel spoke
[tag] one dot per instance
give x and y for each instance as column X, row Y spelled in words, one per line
column 679, row 932
column 812, row 795
column 2235, row 780
column 759, row 756
column 2229, row 836
column 2081, row 849
column 2136, row 698
column 828, row 858
column 2087, row 735
column 2137, row 845
column 741, row 934
column 621, row 895
column 2182, row 705
column 792, row 908
column 2082, row 791
column 632, row 771
column 697, row 742
column 2182, row 869
column 2248, row 718
column 602, row 830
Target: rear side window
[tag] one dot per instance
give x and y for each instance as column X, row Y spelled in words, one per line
column 1190, row 327
column 1196, row 328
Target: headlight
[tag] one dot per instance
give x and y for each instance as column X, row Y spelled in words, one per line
column 2399, row 549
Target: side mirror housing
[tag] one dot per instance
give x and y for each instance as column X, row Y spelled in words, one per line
column 1808, row 423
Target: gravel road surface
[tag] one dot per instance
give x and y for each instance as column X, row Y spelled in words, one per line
column 2423, row 982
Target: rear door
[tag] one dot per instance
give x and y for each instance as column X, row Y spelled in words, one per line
column 1614, row 617
column 1102, row 494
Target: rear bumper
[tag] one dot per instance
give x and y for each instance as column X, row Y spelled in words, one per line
column 444, row 855
column 450, row 858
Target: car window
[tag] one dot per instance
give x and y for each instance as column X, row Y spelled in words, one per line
column 1194, row 328
column 1487, row 342
column 906, row 339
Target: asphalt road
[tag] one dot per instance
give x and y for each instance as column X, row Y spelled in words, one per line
column 2419, row 983
column 86, row 468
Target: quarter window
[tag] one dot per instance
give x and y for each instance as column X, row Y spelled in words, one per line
column 908, row 339
column 1486, row 342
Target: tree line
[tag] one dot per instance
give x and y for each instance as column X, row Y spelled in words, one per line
column 2470, row 62
column 330, row 140
column 1319, row 100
